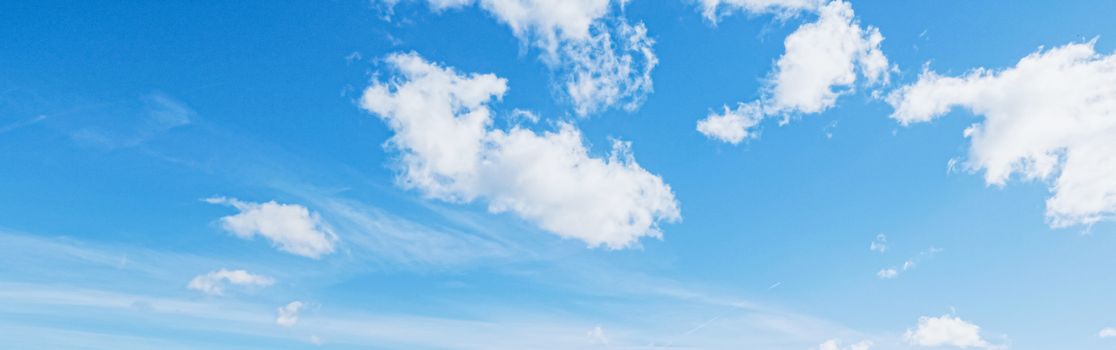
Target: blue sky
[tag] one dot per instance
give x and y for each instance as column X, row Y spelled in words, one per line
column 534, row 174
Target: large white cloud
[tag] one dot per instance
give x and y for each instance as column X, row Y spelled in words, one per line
column 290, row 227
column 822, row 61
column 450, row 151
column 1051, row 117
column 214, row 283
column 604, row 60
column 945, row 331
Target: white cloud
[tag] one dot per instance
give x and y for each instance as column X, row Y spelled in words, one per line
column 945, row 331
column 288, row 314
column 450, row 151
column 888, row 273
column 835, row 344
column 822, row 55
column 822, row 61
column 879, row 244
column 604, row 61
column 1051, row 117
column 733, row 125
column 597, row 335
column 290, row 227
column 1107, row 332
column 893, row 272
column 213, row 283
column 611, row 68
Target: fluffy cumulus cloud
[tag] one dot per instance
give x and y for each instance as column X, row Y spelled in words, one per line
column 604, row 60
column 449, row 150
column 288, row 314
column 290, row 227
column 1051, row 118
column 732, row 125
column 1108, row 332
column 214, row 283
column 835, row 344
column 610, row 68
column 945, row 331
column 822, row 61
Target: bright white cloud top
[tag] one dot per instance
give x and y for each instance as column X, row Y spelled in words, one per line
column 290, row 227
column 604, row 61
column 215, row 282
column 822, row 61
column 1051, row 117
column 450, row 151
column 945, row 331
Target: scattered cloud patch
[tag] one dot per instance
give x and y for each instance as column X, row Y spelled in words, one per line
column 879, row 244
column 610, row 68
column 893, row 272
column 888, row 273
column 450, row 151
column 1107, row 332
column 835, row 344
column 603, row 60
column 290, row 227
column 732, row 125
column 821, row 62
column 288, row 314
column 214, row 283
column 597, row 335
column 1051, row 117
column 945, row 331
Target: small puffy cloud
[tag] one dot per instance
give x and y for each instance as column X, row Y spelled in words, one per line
column 603, row 60
column 732, row 125
column 290, row 227
column 1051, row 117
column 214, row 283
column 888, row 273
column 945, row 331
column 1107, row 332
column 835, row 344
column 450, row 151
column 823, row 55
column 879, row 244
column 822, row 61
column 288, row 314
column 893, row 272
